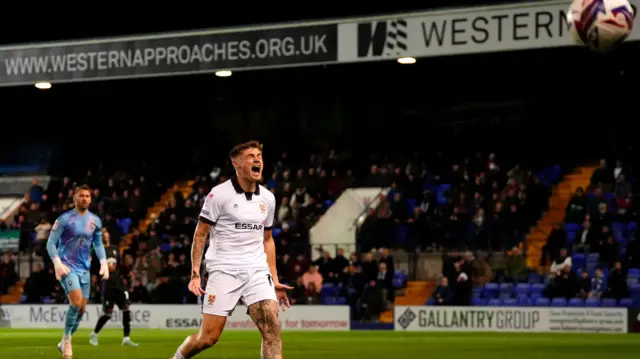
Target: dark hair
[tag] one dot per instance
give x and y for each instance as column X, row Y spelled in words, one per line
column 84, row 187
column 238, row 149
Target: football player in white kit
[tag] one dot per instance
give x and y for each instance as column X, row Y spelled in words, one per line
column 241, row 259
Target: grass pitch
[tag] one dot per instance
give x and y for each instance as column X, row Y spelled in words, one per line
column 159, row 344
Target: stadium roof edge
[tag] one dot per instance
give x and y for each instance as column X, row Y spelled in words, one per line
column 445, row 11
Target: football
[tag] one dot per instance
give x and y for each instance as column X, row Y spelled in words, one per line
column 600, row 24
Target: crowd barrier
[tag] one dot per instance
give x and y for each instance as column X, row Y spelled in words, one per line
column 337, row 318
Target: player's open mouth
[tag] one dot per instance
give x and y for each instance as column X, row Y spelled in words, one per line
column 255, row 169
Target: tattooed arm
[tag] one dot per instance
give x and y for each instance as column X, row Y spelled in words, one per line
column 197, row 248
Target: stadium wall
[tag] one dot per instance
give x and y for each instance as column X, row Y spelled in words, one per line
column 337, row 318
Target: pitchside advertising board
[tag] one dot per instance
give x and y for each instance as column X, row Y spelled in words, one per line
column 463, row 31
column 297, row 318
column 516, row 319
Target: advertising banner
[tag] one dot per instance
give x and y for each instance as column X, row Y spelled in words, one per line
column 9, row 240
column 510, row 319
column 196, row 52
column 316, row 318
column 536, row 25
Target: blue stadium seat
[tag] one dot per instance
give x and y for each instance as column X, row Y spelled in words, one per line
column 411, row 202
column 477, row 292
column 537, row 288
column 329, row 290
column 494, row 302
column 542, row 302
column 490, row 290
column 534, row 278
column 523, row 288
column 625, row 303
column 509, row 302
column 592, row 302
column 619, row 227
column 634, row 272
column 571, row 237
column 401, row 234
column 328, row 203
column 571, row 227
column 123, row 224
column 479, row 302
column 341, row 301
column 593, row 258
column 558, row 302
column 635, row 289
column 631, row 226
column 329, row 300
column 576, row 302
column 524, row 301
column 609, row 303
column 609, row 197
column 506, row 288
column 275, row 232
column 534, row 297
column 397, row 283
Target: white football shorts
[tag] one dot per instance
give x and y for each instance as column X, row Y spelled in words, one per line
column 226, row 287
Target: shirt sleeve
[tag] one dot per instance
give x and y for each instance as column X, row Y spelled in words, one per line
column 211, row 208
column 98, row 247
column 54, row 238
column 271, row 209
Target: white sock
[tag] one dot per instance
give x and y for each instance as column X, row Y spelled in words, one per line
column 178, row 354
column 94, row 333
column 126, row 338
column 66, row 337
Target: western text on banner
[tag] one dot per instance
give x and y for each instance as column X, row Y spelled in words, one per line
column 198, row 52
column 316, row 318
column 465, row 31
column 510, row 319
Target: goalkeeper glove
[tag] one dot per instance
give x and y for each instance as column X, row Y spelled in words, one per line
column 104, row 269
column 60, row 268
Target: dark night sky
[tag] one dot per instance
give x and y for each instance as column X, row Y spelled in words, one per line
column 40, row 24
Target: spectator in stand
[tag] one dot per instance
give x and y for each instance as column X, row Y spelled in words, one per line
column 584, row 285
column 602, row 217
column 622, row 188
column 556, row 240
column 442, row 295
column 602, row 176
column 596, row 288
column 8, row 274
column 369, row 267
column 562, row 262
column 617, row 283
column 566, row 284
column 608, row 249
column 516, row 266
column 577, row 207
column 312, row 279
column 326, row 267
column 633, row 253
column 384, row 283
column 42, row 233
column 371, row 303
column 586, row 238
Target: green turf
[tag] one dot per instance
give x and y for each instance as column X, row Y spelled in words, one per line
column 161, row 344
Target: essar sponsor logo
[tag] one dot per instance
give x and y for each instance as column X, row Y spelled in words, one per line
column 183, row 322
column 249, row 226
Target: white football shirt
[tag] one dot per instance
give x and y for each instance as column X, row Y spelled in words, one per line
column 239, row 220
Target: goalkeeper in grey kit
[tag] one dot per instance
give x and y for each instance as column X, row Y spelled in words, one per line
column 113, row 293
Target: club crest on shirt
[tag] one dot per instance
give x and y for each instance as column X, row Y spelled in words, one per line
column 211, row 298
column 263, row 208
column 55, row 225
column 91, row 226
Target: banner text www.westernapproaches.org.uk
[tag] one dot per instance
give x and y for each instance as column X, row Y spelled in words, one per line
column 158, row 56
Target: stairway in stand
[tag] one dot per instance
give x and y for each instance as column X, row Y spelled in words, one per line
column 184, row 187
column 557, row 204
column 14, row 294
column 416, row 293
